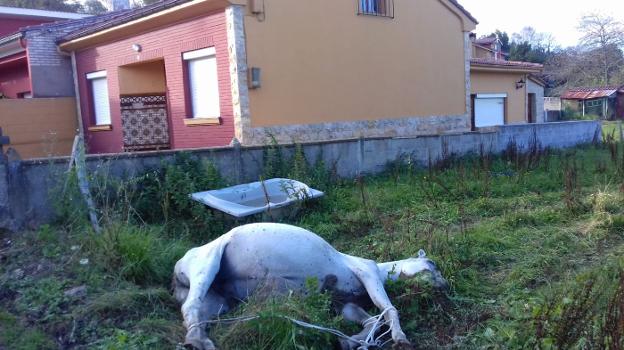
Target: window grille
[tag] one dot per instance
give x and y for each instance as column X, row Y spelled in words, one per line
column 379, row 8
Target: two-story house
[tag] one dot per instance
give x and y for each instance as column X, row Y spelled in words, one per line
column 189, row 74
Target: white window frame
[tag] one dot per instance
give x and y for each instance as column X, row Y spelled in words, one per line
column 212, row 87
column 101, row 113
column 491, row 96
column 504, row 95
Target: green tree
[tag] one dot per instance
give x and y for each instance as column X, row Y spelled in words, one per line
column 529, row 45
column 504, row 39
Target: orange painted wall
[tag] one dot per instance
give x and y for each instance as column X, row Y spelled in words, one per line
column 142, row 78
column 321, row 62
column 498, row 83
column 39, row 127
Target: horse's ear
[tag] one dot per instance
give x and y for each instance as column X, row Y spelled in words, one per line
column 422, row 254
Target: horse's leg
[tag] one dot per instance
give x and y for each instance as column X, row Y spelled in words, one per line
column 354, row 313
column 213, row 304
column 368, row 274
column 200, row 269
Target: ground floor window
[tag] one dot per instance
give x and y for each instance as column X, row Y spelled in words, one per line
column 202, row 83
column 98, row 85
column 488, row 110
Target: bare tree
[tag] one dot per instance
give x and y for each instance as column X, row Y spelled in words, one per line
column 530, row 35
column 604, row 35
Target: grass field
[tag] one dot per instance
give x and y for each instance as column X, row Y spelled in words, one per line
column 532, row 245
column 611, row 128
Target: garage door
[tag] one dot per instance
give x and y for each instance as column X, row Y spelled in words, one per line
column 489, row 110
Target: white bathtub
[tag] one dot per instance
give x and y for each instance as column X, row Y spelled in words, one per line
column 248, row 199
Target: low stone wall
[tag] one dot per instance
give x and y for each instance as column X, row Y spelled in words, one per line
column 27, row 201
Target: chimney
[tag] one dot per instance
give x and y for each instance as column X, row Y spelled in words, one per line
column 120, row 5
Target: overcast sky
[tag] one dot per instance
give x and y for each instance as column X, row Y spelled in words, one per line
column 559, row 17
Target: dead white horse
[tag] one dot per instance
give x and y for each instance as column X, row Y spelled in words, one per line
column 230, row 268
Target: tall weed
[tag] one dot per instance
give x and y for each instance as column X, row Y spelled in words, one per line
column 137, row 254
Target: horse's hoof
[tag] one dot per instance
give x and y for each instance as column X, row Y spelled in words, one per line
column 402, row 345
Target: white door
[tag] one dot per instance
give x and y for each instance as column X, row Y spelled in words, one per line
column 489, row 110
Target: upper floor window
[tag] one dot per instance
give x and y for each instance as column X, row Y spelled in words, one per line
column 99, row 97
column 203, row 83
column 382, row 8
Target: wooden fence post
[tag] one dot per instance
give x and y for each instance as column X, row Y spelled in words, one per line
column 78, row 159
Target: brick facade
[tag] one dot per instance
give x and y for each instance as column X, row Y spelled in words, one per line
column 168, row 44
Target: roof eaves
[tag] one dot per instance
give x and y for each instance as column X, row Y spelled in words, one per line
column 123, row 18
column 11, row 45
column 464, row 11
column 12, row 37
column 86, row 21
column 504, row 64
column 537, row 80
column 166, row 4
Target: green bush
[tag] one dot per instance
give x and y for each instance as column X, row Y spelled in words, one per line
column 137, row 254
column 69, row 205
column 164, row 197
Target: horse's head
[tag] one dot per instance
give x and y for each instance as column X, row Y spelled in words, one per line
column 413, row 266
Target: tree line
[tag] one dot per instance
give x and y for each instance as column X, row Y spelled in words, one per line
column 597, row 59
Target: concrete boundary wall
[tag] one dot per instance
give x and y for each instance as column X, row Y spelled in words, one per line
column 27, row 201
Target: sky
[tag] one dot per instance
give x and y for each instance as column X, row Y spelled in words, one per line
column 558, row 17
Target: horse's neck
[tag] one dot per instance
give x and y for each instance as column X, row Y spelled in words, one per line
column 390, row 270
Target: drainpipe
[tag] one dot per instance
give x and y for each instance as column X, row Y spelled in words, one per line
column 77, row 93
column 72, row 55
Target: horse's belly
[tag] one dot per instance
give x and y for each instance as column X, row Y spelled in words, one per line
column 241, row 277
column 283, row 259
column 243, row 288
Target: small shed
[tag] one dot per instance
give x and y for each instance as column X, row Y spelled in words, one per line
column 605, row 102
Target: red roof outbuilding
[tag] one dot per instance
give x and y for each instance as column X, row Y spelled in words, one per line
column 590, row 93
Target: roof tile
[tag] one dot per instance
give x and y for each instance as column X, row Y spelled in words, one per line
column 588, row 93
column 502, row 63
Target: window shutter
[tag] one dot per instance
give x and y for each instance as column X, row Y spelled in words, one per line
column 204, row 85
column 101, row 107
